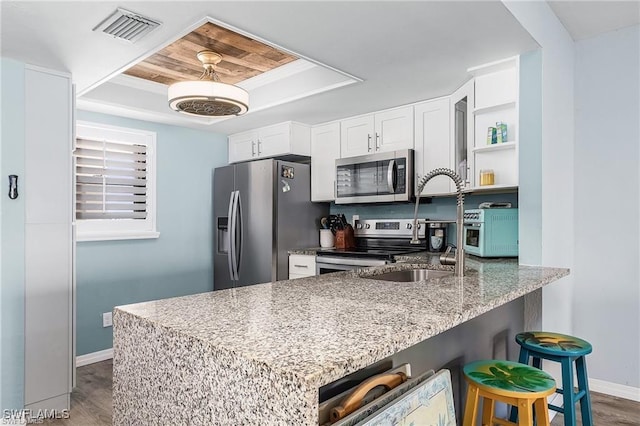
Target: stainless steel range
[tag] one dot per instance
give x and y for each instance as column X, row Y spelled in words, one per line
column 378, row 241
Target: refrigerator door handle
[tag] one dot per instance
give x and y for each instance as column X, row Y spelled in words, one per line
column 230, row 235
column 238, row 223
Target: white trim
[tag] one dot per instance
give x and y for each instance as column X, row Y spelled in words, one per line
column 94, row 357
column 117, row 235
column 615, row 389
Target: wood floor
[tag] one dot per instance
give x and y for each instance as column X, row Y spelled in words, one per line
column 91, row 402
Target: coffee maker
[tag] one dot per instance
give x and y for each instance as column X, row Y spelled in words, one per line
column 436, row 236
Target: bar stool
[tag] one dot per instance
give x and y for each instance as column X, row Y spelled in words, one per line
column 565, row 350
column 513, row 383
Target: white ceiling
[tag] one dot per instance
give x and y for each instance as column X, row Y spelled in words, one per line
column 403, row 51
column 584, row 19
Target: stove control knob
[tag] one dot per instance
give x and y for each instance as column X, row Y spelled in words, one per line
column 367, row 226
column 409, row 226
column 419, row 225
column 358, row 226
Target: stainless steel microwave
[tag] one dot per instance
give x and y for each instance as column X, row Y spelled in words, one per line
column 376, row 178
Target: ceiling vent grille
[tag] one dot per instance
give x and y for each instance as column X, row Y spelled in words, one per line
column 125, row 25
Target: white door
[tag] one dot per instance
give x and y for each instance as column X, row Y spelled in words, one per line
column 325, row 149
column 243, row 146
column 356, row 136
column 433, row 144
column 394, row 130
column 274, row 140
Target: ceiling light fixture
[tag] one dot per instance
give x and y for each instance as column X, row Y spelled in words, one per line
column 208, row 96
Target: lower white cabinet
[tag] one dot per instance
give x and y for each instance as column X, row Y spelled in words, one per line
column 325, row 149
column 287, row 138
column 433, row 144
column 301, row 265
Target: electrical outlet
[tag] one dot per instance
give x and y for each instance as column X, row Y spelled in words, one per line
column 106, row 319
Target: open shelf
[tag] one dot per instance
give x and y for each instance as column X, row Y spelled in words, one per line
column 492, row 188
column 495, row 147
column 490, row 108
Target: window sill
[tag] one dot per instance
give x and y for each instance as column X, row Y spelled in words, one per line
column 112, row 236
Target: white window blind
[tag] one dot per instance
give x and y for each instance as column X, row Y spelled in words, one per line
column 115, row 181
column 111, row 180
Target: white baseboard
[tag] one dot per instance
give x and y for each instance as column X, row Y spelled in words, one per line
column 94, row 357
column 615, row 389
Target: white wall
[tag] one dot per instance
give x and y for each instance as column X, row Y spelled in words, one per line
column 606, row 303
column 556, row 205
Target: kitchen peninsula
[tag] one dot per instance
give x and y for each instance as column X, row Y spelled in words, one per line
column 259, row 354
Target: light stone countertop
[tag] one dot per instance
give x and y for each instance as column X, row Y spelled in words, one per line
column 322, row 328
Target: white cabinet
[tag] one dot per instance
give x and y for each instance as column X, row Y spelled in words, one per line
column 394, row 129
column 287, row 138
column 381, row 132
column 48, row 186
column 496, row 100
column 433, row 144
column 301, row 265
column 325, row 149
column 356, row 136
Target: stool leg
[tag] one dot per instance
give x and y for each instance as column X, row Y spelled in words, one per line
column 583, row 383
column 471, row 408
column 523, row 359
column 541, row 412
column 525, row 413
column 569, row 409
column 488, row 411
column 537, row 363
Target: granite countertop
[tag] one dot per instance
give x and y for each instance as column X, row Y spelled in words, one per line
column 322, row 328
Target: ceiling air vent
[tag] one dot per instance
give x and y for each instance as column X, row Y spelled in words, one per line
column 125, row 25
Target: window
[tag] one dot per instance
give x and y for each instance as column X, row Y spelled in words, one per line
column 115, row 183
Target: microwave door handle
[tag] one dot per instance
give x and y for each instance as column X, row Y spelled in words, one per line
column 391, row 176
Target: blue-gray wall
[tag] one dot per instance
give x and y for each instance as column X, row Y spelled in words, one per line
column 112, row 273
column 12, row 238
column 441, row 208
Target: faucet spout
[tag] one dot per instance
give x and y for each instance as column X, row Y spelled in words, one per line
column 459, row 266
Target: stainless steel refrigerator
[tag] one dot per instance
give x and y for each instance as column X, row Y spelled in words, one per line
column 261, row 210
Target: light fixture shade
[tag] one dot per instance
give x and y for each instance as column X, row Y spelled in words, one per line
column 208, row 98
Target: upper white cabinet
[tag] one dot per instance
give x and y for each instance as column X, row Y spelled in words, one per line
column 287, row 138
column 496, row 101
column 325, row 149
column 433, row 144
column 381, row 132
column 462, row 132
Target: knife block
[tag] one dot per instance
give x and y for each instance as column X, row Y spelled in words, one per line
column 345, row 238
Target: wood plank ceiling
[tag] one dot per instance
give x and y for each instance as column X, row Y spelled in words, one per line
column 242, row 57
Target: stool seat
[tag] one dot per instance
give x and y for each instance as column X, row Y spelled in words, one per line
column 509, row 378
column 553, row 343
column 513, row 383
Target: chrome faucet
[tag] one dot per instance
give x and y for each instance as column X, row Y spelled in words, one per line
column 459, row 267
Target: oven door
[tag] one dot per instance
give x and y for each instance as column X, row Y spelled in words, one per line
column 328, row 264
column 473, row 238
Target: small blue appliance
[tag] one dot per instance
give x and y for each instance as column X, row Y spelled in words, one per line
column 491, row 232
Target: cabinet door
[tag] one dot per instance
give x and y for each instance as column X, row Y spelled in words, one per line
column 462, row 132
column 394, row 130
column 274, row 140
column 433, row 144
column 325, row 149
column 48, row 147
column 242, row 146
column 356, row 136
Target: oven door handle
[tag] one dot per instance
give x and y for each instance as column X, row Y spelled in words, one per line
column 392, row 172
column 472, row 225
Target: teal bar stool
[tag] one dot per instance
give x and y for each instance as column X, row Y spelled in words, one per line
column 566, row 350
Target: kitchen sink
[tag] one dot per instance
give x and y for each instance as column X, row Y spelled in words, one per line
column 411, row 275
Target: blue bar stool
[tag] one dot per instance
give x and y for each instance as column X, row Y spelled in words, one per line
column 566, row 350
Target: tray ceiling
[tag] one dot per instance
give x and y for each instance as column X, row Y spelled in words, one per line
column 242, row 57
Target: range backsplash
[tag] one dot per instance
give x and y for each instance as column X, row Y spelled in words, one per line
column 439, row 209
